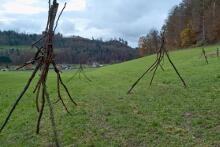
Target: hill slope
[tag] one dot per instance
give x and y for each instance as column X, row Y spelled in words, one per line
column 165, row 114
column 72, row 50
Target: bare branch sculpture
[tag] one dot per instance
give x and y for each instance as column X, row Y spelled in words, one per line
column 79, row 72
column 161, row 53
column 44, row 57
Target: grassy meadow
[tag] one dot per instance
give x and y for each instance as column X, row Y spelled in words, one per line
column 165, row 114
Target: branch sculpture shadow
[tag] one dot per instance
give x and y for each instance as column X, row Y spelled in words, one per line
column 161, row 53
column 44, row 57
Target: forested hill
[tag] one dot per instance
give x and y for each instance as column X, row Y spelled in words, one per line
column 191, row 23
column 71, row 50
column 194, row 22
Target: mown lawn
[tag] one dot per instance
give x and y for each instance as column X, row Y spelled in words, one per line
column 165, row 114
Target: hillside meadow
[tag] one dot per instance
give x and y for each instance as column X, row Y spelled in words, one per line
column 165, row 114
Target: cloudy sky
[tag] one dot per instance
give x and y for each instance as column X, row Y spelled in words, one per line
column 128, row 19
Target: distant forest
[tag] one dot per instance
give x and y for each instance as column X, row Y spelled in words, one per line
column 191, row 23
column 69, row 50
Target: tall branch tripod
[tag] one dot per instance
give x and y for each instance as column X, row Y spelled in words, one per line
column 161, row 53
column 44, row 57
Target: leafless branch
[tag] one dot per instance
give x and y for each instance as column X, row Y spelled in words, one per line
column 59, row 17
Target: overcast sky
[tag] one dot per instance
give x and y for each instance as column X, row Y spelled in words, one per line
column 128, row 19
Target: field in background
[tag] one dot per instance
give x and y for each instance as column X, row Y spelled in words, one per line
column 165, row 114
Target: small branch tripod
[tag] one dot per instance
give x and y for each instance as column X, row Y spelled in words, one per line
column 80, row 72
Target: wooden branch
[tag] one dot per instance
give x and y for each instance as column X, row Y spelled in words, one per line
column 52, row 16
column 161, row 66
column 67, row 91
column 139, row 79
column 204, row 54
column 155, row 70
column 36, row 42
column 59, row 94
column 61, row 82
column 41, row 110
column 59, row 17
column 37, row 98
column 174, row 67
column 20, row 96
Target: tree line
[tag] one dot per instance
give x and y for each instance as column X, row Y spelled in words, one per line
column 191, row 23
column 69, row 50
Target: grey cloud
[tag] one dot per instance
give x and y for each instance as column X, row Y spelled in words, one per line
column 66, row 27
column 24, row 23
column 128, row 19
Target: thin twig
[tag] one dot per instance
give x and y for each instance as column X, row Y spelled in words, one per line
column 139, row 79
column 59, row 17
column 36, row 42
column 155, row 70
column 67, row 91
column 61, row 82
column 37, row 98
column 59, row 94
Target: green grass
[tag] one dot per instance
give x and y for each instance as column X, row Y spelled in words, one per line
column 165, row 114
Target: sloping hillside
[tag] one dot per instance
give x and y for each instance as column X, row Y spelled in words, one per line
column 165, row 114
column 72, row 49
